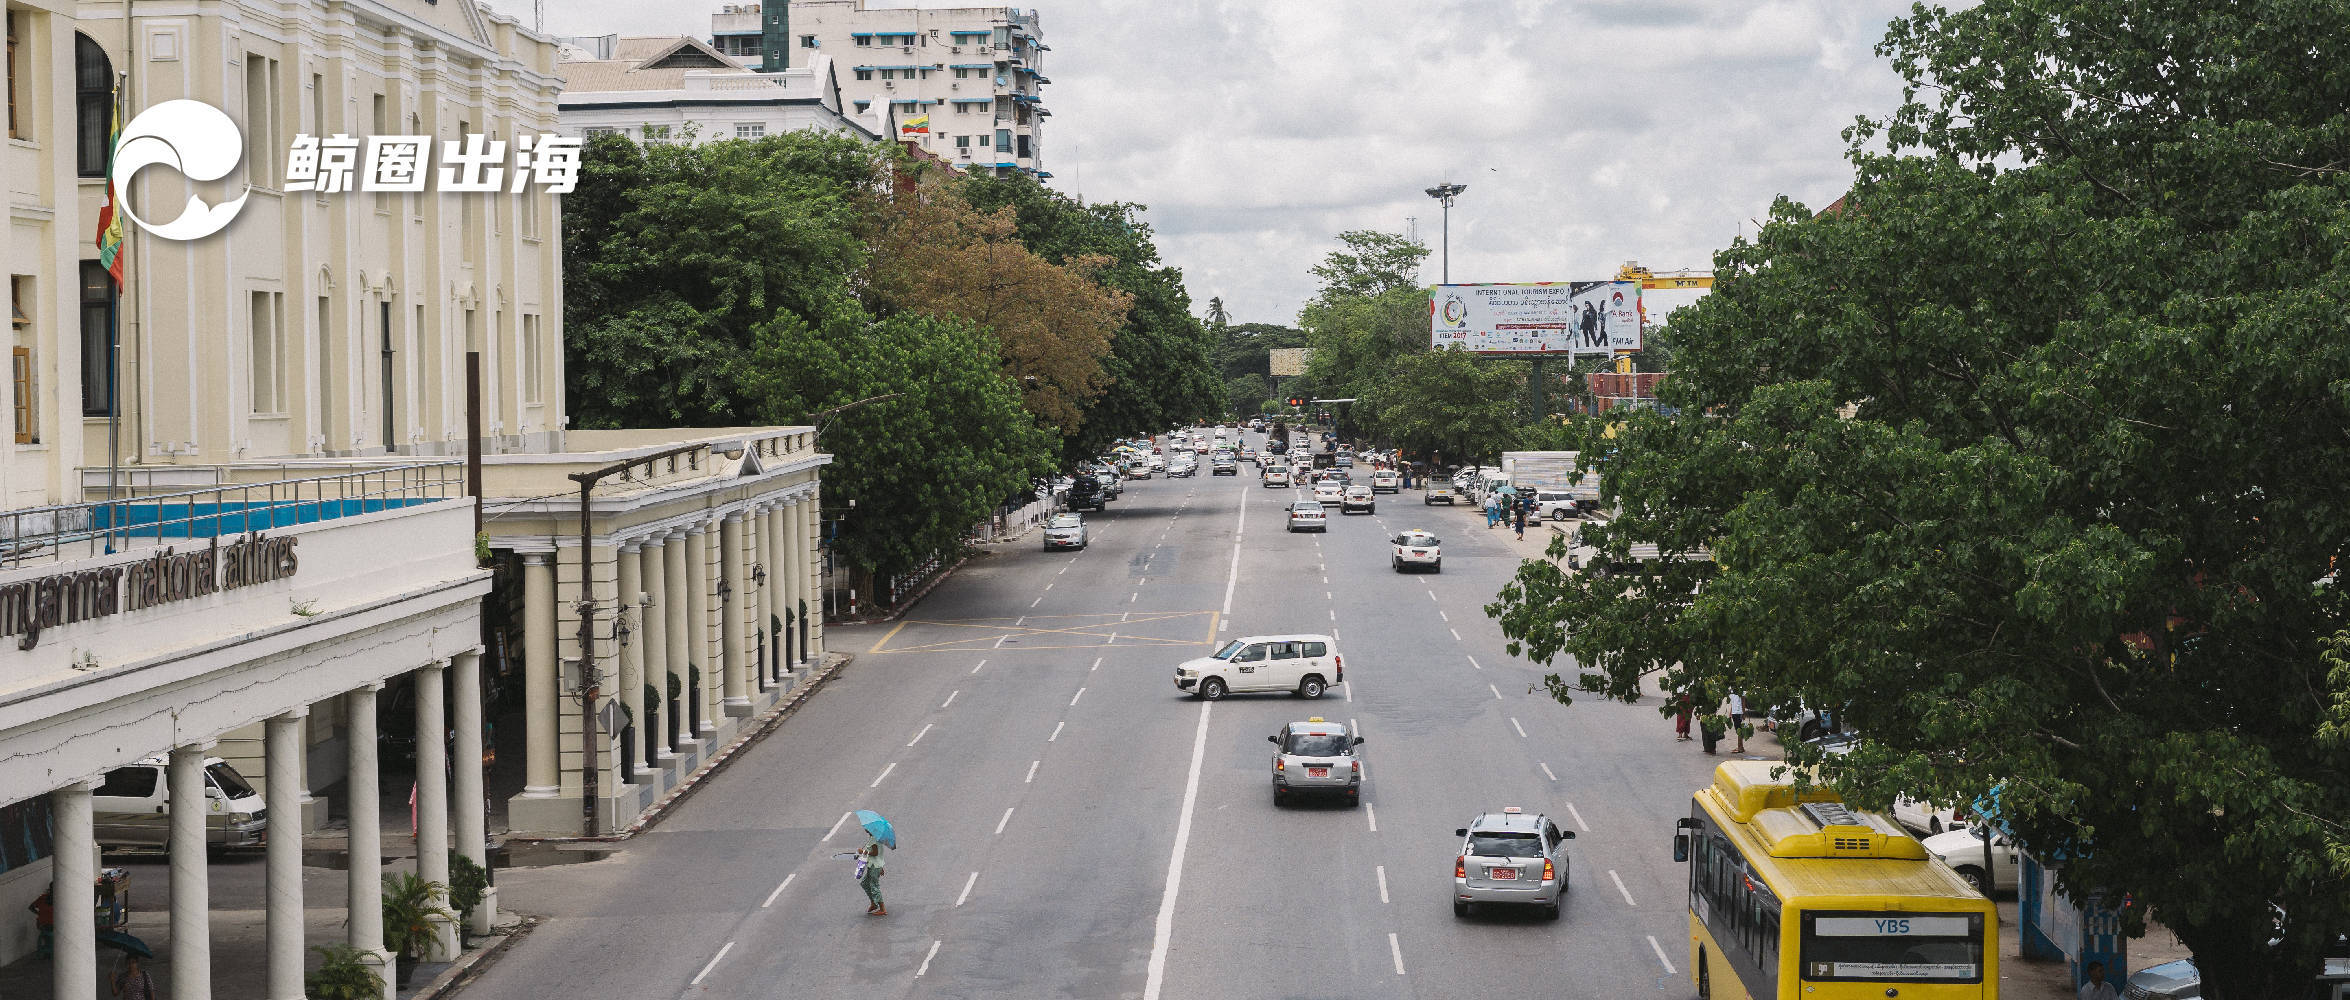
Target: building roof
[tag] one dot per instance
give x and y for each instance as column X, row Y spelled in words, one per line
column 647, row 62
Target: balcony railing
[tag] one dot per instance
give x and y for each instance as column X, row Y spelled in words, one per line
column 68, row 532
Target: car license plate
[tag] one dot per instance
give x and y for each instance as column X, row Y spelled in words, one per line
column 1419, row 552
column 1317, row 772
column 1501, row 874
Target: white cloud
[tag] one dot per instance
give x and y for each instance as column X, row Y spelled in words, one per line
column 1589, row 132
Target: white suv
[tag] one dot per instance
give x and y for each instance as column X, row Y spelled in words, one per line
column 1304, row 664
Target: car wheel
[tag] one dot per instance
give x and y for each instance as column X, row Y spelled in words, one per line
column 1975, row 877
column 1436, row 567
column 1211, row 689
column 1427, row 503
column 1551, row 912
column 1460, row 909
column 1705, row 985
column 1558, row 515
column 1354, row 799
column 1280, row 797
column 1311, row 687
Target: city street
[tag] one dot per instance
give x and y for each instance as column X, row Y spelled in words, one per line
column 1071, row 825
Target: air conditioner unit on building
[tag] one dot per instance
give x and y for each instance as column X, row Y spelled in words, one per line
column 958, row 48
column 964, row 152
column 909, row 50
column 889, row 85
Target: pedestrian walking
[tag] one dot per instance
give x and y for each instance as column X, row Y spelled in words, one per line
column 869, row 866
column 1738, row 721
column 133, row 982
column 1521, row 511
column 1681, row 711
column 1492, row 510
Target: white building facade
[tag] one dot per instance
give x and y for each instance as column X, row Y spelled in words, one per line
column 972, row 76
column 679, row 89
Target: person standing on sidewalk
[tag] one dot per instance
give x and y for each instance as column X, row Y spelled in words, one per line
column 1681, row 710
column 1738, row 721
column 1492, row 510
column 2097, row 988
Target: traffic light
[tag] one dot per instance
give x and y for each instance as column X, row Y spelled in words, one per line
column 1297, row 401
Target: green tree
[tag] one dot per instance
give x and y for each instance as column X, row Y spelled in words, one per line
column 2086, row 312
column 1448, row 402
column 1368, row 313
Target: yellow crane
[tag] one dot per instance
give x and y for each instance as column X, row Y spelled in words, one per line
column 1632, row 271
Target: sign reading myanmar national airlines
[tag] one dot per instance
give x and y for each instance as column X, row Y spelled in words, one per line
column 1550, row 317
column 29, row 606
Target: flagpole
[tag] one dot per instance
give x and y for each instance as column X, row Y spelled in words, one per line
column 114, row 324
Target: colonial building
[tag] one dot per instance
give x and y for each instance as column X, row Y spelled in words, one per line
column 238, row 522
column 677, row 89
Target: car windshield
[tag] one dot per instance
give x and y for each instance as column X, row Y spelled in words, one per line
column 1067, row 521
column 1505, row 845
column 1425, row 541
column 1307, row 508
column 1229, row 649
column 1318, row 744
column 228, row 781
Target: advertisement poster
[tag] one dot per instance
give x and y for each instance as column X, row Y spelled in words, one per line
column 1551, row 317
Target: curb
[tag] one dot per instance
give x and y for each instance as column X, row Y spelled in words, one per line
column 717, row 765
column 901, row 610
column 470, row 967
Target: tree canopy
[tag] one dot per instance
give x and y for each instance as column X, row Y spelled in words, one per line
column 2079, row 538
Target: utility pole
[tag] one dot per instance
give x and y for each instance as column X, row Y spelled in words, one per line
column 1445, row 193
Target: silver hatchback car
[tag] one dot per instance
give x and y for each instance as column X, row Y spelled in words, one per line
column 1316, row 756
column 1511, row 857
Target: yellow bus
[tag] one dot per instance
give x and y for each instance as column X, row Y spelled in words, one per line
column 1795, row 897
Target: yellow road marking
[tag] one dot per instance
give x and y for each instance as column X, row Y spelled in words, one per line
column 887, row 636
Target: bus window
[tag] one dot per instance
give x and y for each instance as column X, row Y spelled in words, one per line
column 1918, row 947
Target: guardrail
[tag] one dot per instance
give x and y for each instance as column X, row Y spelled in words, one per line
column 67, row 532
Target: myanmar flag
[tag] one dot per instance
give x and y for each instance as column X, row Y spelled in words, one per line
column 918, row 125
column 109, row 218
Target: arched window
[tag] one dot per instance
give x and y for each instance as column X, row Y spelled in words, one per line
column 93, row 90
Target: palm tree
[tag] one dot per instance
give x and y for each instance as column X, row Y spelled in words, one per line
column 1217, row 317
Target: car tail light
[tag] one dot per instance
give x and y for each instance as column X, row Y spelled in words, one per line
column 1340, row 663
column 1460, row 866
column 1548, row 874
column 1280, row 765
column 1358, row 766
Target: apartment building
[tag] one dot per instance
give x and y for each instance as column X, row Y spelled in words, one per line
column 675, row 88
column 965, row 84
column 237, row 529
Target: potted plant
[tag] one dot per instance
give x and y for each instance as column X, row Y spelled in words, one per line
column 412, row 905
column 346, row 974
column 468, row 882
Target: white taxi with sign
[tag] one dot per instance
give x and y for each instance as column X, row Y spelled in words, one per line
column 1416, row 549
column 1316, row 756
column 1305, row 665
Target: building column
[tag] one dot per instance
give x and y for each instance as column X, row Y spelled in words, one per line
column 734, row 594
column 472, row 804
column 813, row 519
column 191, row 888
column 796, row 554
column 697, row 613
column 776, row 550
column 313, row 810
column 283, row 748
column 654, row 613
column 73, row 881
column 364, row 875
column 757, row 644
column 628, row 625
column 678, row 609
column 432, row 792
column 542, row 777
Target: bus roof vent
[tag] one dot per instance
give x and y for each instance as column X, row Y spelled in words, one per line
column 1829, row 814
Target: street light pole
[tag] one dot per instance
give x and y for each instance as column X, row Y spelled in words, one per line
column 1445, row 193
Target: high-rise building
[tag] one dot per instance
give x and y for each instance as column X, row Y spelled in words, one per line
column 964, row 83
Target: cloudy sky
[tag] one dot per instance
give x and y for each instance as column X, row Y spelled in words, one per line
column 1589, row 132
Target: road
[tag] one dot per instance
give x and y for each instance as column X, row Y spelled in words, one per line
column 1073, row 826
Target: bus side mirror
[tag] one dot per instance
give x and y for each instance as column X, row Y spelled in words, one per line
column 1680, row 847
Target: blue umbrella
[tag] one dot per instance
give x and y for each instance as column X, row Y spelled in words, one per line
column 878, row 827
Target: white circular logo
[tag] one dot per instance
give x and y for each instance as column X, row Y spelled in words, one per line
column 194, row 138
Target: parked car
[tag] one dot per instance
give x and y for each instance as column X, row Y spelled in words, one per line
column 131, row 807
column 1962, row 850
column 2179, row 980
column 1925, row 818
column 1555, row 505
column 1513, row 858
column 1303, row 664
column 1064, row 531
column 1416, row 548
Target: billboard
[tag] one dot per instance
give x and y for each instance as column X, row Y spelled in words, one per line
column 1289, row 360
column 1550, row 317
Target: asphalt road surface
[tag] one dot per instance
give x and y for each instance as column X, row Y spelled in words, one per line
column 1073, row 826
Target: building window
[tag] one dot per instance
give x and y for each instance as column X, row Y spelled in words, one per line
column 865, row 40
column 656, row 134
column 325, row 358
column 1003, row 140
column 98, row 305
column 381, row 122
column 807, row 41
column 864, row 74
column 750, row 130
column 526, row 215
column 261, row 145
column 269, row 351
column 534, row 361
column 16, row 128
column 93, row 91
column 20, row 371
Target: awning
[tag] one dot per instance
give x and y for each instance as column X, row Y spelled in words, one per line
column 971, row 66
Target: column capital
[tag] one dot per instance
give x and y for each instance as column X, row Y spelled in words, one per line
column 441, row 663
column 84, row 787
column 371, row 687
column 698, row 528
column 196, row 746
column 536, row 558
column 734, row 516
column 295, row 714
column 632, row 544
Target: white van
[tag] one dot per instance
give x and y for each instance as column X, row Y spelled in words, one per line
column 132, row 806
column 1302, row 664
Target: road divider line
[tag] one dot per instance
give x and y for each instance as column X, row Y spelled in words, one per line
column 778, row 890
column 1080, row 694
column 1133, row 597
column 705, row 973
column 1571, row 811
column 1032, row 604
column 1382, row 870
column 975, row 669
column 1113, row 640
column 1097, row 665
column 1431, row 595
column 1371, row 813
column 999, row 824
column 1349, row 692
column 893, row 765
column 1326, row 596
column 1546, row 772
column 1660, row 957
column 844, row 817
column 1473, row 663
column 1456, row 634
column 1333, row 614
column 1155, row 976
column 1048, row 586
column 1619, row 880
column 967, row 884
column 1496, row 691
column 1439, row 613
column 999, row 640
column 1395, row 949
column 918, row 736
column 925, row 967
column 1023, row 619
column 1031, row 779
column 1521, row 729
column 950, row 698
column 1056, row 731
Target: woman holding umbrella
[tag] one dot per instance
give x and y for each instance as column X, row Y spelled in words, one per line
column 870, row 858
